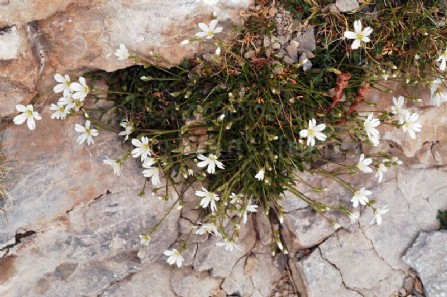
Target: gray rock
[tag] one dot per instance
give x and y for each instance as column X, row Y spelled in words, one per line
column 306, row 39
column 319, row 278
column 347, row 5
column 428, row 256
column 186, row 282
column 307, row 227
column 209, row 256
column 292, row 51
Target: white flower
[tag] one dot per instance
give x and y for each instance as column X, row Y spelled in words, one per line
column 370, row 125
column 408, row 122
column 260, row 175
column 174, row 257
column 443, row 59
column 81, row 89
column 438, row 95
column 122, row 53
column 27, row 114
column 249, row 208
column 360, row 197
column 70, row 103
column 185, row 42
column 152, row 172
column 210, row 161
column 87, row 133
column 229, row 245
column 378, row 212
column 64, row 84
column 208, row 198
column 358, row 35
column 218, row 51
column 380, row 171
column 354, row 216
column 144, row 239
column 208, row 31
column 141, row 148
column 397, row 109
column 116, row 165
column 313, row 131
column 208, row 228
column 364, row 163
column 235, row 198
column 396, row 161
column 129, row 128
column 60, row 110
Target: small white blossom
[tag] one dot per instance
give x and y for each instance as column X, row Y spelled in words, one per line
column 378, row 212
column 443, row 59
column 354, row 216
column 396, row 161
column 80, row 89
column 360, row 197
column 141, row 148
column 438, row 95
column 208, row 228
column 218, row 51
column 380, row 171
column 128, row 128
column 408, row 122
column 208, row 31
column 208, row 198
column 210, row 161
column 174, row 257
column 185, row 42
column 116, row 165
column 370, row 125
column 399, row 102
column 87, row 133
column 235, row 198
column 358, row 35
column 64, row 84
column 313, row 131
column 27, row 115
column 260, row 175
column 364, row 163
column 144, row 239
column 60, row 111
column 122, row 53
column 229, row 245
column 248, row 209
column 152, row 172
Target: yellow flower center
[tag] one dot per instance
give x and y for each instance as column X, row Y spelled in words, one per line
column 29, row 112
column 359, row 36
column 311, row 132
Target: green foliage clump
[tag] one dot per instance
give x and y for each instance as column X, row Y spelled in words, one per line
column 442, row 217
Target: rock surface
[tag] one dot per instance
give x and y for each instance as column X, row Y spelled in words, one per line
column 347, row 5
column 428, row 256
column 40, row 38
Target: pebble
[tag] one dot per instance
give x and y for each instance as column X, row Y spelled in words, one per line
column 409, row 284
column 418, row 286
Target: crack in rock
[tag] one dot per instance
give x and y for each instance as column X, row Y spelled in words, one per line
column 341, row 275
column 4, row 251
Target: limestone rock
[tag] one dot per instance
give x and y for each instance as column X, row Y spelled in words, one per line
column 320, row 278
column 253, row 277
column 73, row 37
column 428, row 256
column 186, row 282
column 209, row 256
column 307, row 227
column 153, row 278
column 347, row 5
